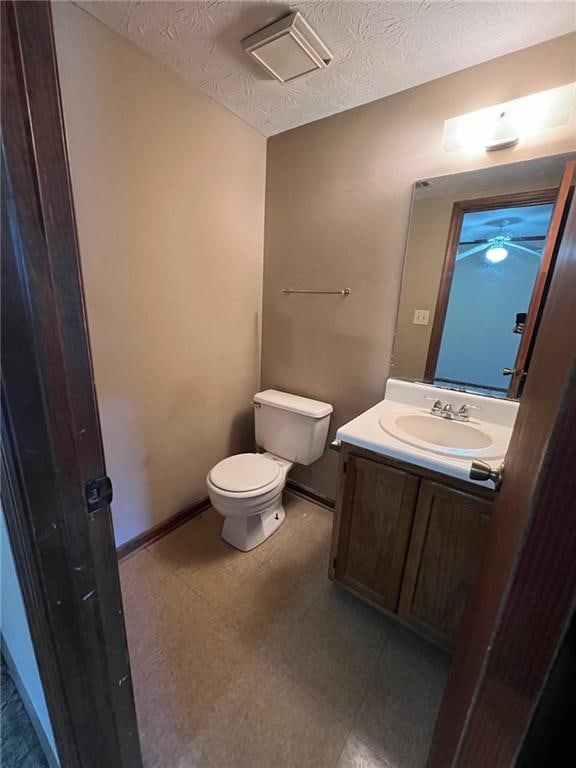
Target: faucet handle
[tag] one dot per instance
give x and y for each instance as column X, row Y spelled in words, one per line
column 463, row 413
column 437, row 406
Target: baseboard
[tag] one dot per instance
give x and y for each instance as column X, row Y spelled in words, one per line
column 51, row 757
column 310, row 495
column 167, row 526
column 158, row 531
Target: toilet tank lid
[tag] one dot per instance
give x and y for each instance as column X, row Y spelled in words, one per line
column 287, row 402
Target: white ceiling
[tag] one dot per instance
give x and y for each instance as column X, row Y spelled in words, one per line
column 379, row 47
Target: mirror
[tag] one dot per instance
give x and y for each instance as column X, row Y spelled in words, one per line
column 475, row 251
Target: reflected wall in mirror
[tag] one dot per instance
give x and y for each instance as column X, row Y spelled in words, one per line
column 476, row 265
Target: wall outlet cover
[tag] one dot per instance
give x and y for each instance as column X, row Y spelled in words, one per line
column 421, row 317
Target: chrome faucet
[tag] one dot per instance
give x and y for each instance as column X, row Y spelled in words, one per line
column 446, row 410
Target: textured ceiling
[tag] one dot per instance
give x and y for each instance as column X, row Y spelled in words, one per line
column 379, row 47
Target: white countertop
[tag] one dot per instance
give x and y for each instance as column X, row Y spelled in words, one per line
column 495, row 416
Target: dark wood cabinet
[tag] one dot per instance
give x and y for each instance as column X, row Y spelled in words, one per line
column 445, row 550
column 409, row 540
column 376, row 522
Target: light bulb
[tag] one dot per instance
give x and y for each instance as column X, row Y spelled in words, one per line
column 496, row 253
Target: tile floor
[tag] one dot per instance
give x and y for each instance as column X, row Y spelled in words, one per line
column 257, row 660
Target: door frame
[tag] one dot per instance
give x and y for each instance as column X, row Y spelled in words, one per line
column 459, row 209
column 59, row 526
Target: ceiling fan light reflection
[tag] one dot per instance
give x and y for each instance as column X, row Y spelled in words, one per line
column 496, row 253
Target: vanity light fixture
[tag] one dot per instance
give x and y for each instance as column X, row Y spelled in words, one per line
column 504, row 125
column 504, row 133
column 288, row 49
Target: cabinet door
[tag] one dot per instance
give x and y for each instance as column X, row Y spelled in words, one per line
column 446, row 548
column 377, row 513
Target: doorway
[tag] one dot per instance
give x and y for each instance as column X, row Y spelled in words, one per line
column 495, row 257
column 83, row 642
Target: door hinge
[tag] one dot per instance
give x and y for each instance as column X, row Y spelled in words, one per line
column 98, row 493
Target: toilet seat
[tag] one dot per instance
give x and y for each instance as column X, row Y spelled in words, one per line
column 246, row 474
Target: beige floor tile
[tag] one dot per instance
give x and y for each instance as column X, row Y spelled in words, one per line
column 141, row 574
column 150, row 593
column 266, row 602
column 280, row 726
column 217, row 581
column 332, row 654
column 166, row 741
column 312, row 518
column 195, row 545
column 161, row 621
column 357, row 755
column 290, row 526
column 209, row 565
column 257, row 659
column 398, row 714
column 203, row 664
column 333, row 597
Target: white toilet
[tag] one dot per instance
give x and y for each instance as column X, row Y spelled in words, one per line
column 247, row 488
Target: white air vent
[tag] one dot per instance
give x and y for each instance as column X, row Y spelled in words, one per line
column 288, row 49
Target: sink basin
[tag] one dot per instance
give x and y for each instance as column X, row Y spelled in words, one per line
column 438, row 434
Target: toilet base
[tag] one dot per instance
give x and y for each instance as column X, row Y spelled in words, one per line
column 245, row 533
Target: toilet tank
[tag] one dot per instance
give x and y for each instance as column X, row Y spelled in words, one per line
column 291, row 427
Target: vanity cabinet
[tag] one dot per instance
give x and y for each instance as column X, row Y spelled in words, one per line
column 408, row 540
column 446, row 547
column 374, row 545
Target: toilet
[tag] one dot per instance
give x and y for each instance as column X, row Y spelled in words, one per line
column 246, row 489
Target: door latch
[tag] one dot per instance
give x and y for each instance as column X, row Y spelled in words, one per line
column 98, row 493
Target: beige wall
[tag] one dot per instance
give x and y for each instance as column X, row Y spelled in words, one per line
column 169, row 196
column 337, row 206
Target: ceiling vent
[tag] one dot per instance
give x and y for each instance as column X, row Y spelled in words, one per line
column 288, row 49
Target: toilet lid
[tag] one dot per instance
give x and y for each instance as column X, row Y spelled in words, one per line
column 244, row 472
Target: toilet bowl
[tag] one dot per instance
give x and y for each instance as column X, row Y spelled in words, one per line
column 246, row 489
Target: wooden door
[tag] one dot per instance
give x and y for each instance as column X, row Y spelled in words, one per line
column 377, row 513
column 54, row 488
column 525, row 595
column 443, row 559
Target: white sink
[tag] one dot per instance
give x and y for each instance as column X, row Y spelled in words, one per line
column 402, row 427
column 444, row 436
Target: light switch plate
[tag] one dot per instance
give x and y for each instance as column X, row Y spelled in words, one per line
column 421, row 317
